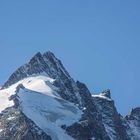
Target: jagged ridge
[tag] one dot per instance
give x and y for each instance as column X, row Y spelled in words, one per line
column 100, row 118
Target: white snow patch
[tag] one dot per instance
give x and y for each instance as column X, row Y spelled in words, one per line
column 10, row 118
column 4, row 100
column 49, row 113
column 41, row 103
column 36, row 83
column 101, row 96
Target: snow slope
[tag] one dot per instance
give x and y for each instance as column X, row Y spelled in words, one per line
column 40, row 102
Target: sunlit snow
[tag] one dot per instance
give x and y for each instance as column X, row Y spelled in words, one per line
column 41, row 103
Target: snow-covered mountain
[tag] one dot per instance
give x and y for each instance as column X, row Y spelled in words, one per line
column 40, row 101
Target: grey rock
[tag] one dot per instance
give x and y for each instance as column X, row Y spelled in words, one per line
column 106, row 93
column 90, row 125
column 111, row 119
column 132, row 122
column 16, row 126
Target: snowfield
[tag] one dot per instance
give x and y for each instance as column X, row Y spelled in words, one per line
column 40, row 102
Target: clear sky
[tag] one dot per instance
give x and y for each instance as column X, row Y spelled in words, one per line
column 98, row 41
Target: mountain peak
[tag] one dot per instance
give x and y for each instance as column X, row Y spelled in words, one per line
column 135, row 113
column 106, row 93
column 49, row 53
column 38, row 54
column 39, row 63
column 49, row 94
column 37, row 57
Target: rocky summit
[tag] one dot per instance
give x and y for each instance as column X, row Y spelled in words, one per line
column 41, row 101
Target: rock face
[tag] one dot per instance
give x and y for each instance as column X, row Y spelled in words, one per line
column 100, row 119
column 111, row 119
column 16, row 126
column 133, row 124
column 91, row 122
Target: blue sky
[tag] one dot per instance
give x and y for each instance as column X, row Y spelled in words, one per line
column 97, row 41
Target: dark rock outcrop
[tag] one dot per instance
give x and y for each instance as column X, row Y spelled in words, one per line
column 133, row 124
column 111, row 119
column 90, row 125
column 14, row 125
column 106, row 93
